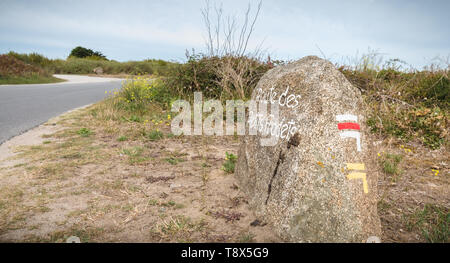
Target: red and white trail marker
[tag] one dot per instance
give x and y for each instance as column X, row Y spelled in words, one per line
column 349, row 127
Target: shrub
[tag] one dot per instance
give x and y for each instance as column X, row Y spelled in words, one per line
column 11, row 66
column 406, row 105
column 136, row 94
column 223, row 78
column 162, row 94
column 33, row 59
column 230, row 162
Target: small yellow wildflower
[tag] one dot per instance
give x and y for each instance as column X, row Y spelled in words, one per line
column 436, row 172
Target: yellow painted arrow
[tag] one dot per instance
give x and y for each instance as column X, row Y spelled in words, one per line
column 358, row 175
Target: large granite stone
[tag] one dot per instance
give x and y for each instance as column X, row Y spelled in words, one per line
column 318, row 183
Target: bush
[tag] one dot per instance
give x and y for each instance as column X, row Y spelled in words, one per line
column 406, row 105
column 162, row 94
column 217, row 77
column 230, row 162
column 16, row 71
column 33, row 59
column 136, row 94
column 12, row 66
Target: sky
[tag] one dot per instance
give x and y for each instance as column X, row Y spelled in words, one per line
column 414, row 31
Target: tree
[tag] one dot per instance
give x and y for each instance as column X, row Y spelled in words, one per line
column 81, row 52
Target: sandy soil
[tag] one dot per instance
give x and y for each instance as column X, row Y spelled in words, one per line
column 32, row 137
column 103, row 190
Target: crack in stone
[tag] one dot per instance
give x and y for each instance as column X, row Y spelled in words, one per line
column 280, row 159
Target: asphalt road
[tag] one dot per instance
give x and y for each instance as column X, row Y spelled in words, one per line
column 23, row 107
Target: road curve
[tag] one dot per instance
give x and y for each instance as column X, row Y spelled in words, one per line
column 23, row 107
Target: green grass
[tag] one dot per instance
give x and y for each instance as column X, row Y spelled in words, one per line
column 390, row 163
column 247, row 237
column 155, row 135
column 86, row 66
column 86, row 235
column 33, row 79
column 135, row 118
column 84, row 132
column 122, row 138
column 174, row 160
column 432, row 221
column 135, row 155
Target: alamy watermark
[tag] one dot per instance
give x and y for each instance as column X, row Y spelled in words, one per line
column 253, row 117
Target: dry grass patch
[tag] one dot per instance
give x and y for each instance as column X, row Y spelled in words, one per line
column 409, row 187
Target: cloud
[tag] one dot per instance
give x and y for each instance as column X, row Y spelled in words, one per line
column 411, row 30
column 59, row 25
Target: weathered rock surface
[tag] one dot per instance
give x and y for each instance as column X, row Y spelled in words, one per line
column 316, row 184
column 98, row 70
